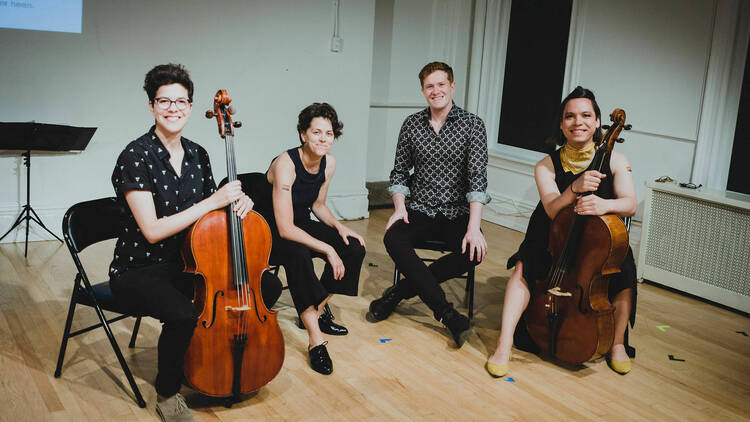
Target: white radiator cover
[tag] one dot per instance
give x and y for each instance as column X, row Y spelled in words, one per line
column 697, row 241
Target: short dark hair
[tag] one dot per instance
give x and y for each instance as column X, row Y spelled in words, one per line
column 431, row 67
column 578, row 92
column 323, row 110
column 167, row 74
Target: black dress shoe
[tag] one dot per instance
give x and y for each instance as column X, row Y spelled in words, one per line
column 320, row 361
column 382, row 308
column 327, row 326
column 458, row 325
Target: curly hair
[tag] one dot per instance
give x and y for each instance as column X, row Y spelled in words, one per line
column 323, row 110
column 431, row 67
column 167, row 74
column 579, row 92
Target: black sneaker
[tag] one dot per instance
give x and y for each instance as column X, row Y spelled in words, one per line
column 320, row 360
column 382, row 308
column 458, row 325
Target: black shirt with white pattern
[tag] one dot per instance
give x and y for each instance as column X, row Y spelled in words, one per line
column 144, row 165
column 450, row 167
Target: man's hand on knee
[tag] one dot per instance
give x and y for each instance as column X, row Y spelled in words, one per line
column 474, row 239
column 398, row 214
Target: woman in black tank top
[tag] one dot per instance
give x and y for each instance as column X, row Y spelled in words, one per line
column 560, row 178
column 300, row 178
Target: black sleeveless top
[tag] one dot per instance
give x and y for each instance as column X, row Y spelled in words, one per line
column 533, row 250
column 306, row 186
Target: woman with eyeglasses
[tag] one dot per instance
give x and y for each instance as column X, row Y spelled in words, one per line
column 297, row 185
column 561, row 178
column 167, row 184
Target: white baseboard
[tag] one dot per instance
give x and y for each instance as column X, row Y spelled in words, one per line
column 344, row 206
column 349, row 205
column 512, row 213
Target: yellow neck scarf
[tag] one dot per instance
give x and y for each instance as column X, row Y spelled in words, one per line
column 575, row 160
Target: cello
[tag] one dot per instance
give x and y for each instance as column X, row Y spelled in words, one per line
column 569, row 314
column 237, row 346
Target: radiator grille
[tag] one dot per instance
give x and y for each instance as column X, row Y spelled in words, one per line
column 703, row 241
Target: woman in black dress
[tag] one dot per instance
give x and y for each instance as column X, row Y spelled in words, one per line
column 300, row 178
column 561, row 178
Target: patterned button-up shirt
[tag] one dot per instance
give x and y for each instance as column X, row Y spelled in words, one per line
column 450, row 167
column 144, row 165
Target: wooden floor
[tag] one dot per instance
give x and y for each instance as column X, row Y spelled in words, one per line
column 416, row 374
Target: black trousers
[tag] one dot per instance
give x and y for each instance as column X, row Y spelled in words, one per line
column 164, row 292
column 305, row 287
column 421, row 279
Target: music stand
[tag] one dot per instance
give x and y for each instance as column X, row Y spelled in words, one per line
column 39, row 137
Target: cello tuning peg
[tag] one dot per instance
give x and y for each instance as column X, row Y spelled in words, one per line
column 627, row 127
column 605, row 127
column 237, row 124
column 231, row 109
column 209, row 114
column 619, row 140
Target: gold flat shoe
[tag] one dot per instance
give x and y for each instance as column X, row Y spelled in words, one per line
column 497, row 370
column 621, row 367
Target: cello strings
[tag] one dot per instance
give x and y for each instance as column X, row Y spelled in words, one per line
column 234, row 232
column 240, row 255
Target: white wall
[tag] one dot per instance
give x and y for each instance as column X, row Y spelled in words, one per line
column 659, row 61
column 272, row 55
column 408, row 35
column 655, row 72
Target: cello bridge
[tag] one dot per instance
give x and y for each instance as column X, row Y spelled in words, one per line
column 237, row 308
column 555, row 291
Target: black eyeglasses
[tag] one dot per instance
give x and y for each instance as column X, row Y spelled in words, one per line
column 164, row 103
column 690, row 185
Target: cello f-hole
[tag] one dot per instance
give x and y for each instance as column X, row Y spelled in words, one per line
column 213, row 311
column 262, row 318
column 581, row 307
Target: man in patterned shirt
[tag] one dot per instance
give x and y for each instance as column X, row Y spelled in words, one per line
column 446, row 147
column 167, row 184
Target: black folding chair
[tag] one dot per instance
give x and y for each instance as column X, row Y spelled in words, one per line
column 442, row 247
column 84, row 224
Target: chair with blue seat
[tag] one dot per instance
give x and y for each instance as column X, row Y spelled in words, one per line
column 85, row 224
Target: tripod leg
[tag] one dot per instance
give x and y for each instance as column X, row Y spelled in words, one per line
column 18, row 221
column 26, row 244
column 39, row 221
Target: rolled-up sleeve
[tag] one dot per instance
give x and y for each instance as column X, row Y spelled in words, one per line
column 131, row 172
column 402, row 164
column 477, row 164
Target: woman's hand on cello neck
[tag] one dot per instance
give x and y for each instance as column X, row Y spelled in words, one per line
column 230, row 193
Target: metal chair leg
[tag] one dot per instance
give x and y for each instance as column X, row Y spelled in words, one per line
column 66, row 334
column 135, row 332
column 121, row 359
column 470, row 292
